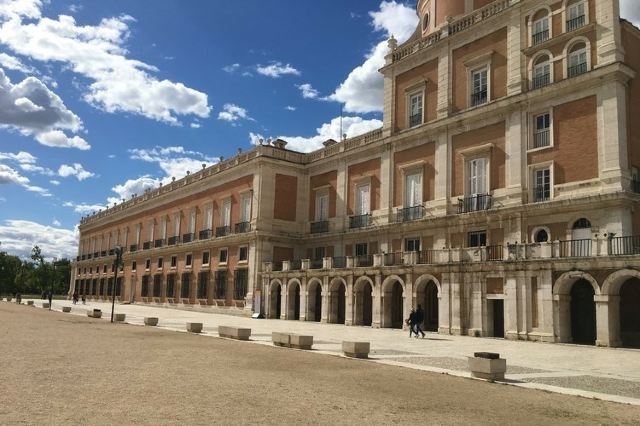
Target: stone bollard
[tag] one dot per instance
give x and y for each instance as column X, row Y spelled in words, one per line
column 29, row 302
column 488, row 366
column 234, row 332
column 298, row 341
column 281, row 339
column 119, row 317
column 96, row 313
column 66, row 309
column 356, row 349
column 45, row 306
column 8, row 299
column 151, row 321
column 194, row 327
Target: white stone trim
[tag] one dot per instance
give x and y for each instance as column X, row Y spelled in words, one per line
column 567, row 48
column 564, row 11
column 532, row 129
column 531, row 21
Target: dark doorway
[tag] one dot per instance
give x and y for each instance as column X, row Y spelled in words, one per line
column 396, row 305
column 276, row 301
column 296, row 302
column 630, row 313
column 367, row 305
column 498, row 318
column 430, row 305
column 583, row 313
column 338, row 304
column 315, row 310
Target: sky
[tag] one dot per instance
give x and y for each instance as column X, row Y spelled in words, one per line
column 101, row 100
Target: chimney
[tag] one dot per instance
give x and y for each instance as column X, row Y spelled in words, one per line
column 279, row 143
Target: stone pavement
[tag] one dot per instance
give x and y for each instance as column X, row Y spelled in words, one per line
column 602, row 373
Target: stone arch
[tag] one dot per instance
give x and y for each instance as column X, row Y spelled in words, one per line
column 363, row 301
column 534, row 61
column 613, row 283
column 574, row 307
column 621, row 292
column 568, row 49
column 427, row 293
column 393, row 293
column 294, row 289
column 337, row 300
column 537, row 229
column 314, row 299
column 275, row 299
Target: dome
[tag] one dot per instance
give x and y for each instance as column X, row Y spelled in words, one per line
column 434, row 13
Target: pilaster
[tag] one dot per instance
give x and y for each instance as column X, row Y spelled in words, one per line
column 609, row 39
column 612, row 134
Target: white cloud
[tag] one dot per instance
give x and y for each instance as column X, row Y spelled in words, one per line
column 56, row 222
column 20, row 157
column 351, row 126
column 13, row 63
column 232, row 112
column 98, row 53
column 76, row 170
column 32, row 109
column 290, row 108
column 84, row 208
column 9, row 175
column 37, row 169
column 308, row 92
column 276, row 70
column 133, row 187
column 19, row 236
column 3, row 200
column 111, row 156
column 174, row 161
column 630, row 10
column 362, row 90
column 54, row 182
column 231, row 68
column 12, row 9
column 195, row 125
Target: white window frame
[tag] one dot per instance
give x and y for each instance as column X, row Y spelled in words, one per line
column 246, row 211
column 410, row 97
column 225, row 213
column 565, row 13
column 548, row 19
column 239, row 249
column 138, row 230
column 147, row 264
column 533, row 116
column 413, row 169
column 320, row 194
column 192, row 221
column 532, row 67
column 209, row 257
column 208, row 224
column 170, row 264
column 185, row 260
column 176, row 224
column 163, row 228
column 152, row 229
column 532, row 179
column 474, row 153
column 487, row 172
column 568, row 54
column 220, row 250
column 474, row 65
column 406, row 241
column 360, row 209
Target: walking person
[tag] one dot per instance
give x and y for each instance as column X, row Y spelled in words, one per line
column 75, row 298
column 411, row 321
column 50, row 296
column 419, row 321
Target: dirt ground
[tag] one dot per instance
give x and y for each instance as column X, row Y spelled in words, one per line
column 65, row 369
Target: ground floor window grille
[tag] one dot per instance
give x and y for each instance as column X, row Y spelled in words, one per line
column 145, row 286
column 171, row 283
column 221, row 284
column 118, row 286
column 102, row 287
column 241, row 280
column 157, row 284
column 203, row 279
column 185, row 289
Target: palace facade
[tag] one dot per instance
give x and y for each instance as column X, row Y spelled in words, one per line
column 501, row 194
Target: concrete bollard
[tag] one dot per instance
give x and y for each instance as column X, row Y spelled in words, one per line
column 119, row 317
column 281, row 339
column 298, row 341
column 234, row 332
column 194, row 327
column 488, row 366
column 96, row 313
column 45, row 306
column 66, row 309
column 151, row 321
column 8, row 299
column 356, row 349
column 29, row 302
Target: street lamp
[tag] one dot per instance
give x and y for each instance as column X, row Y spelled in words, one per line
column 116, row 265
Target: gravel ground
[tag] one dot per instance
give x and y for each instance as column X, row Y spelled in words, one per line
column 63, row 369
column 593, row 384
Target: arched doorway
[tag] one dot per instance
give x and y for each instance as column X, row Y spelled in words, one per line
column 630, row 313
column 294, row 300
column 393, row 303
column 363, row 295
column 337, row 297
column 314, row 302
column 275, row 301
column 583, row 313
column 427, row 297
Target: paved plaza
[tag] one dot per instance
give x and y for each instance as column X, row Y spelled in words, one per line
column 602, row 373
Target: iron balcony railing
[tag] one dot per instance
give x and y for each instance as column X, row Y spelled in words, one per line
column 541, row 81
column 635, row 186
column 95, row 255
column 360, row 221
column 415, row 120
column 295, row 265
column 541, row 194
column 624, row 246
column 319, row 227
column 222, row 231
column 426, row 257
column 340, row 262
column 242, row 227
column 187, row 238
column 393, row 259
column 173, row 240
column 575, row 23
column 276, row 266
column 133, row 247
column 495, row 252
column 577, row 69
column 364, row 260
column 103, row 253
column 158, row 243
column 540, row 37
column 112, row 252
column 205, row 234
column 575, row 248
column 479, row 98
column 315, row 264
column 409, row 214
column 146, row 245
column 89, row 256
column 474, row 203
column 541, row 138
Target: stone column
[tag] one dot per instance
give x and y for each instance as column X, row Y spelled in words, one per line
column 341, row 195
column 545, row 308
column 388, row 122
column 304, row 295
column 444, row 306
column 562, row 318
column 456, row 303
column 407, row 298
column 475, row 327
column 445, row 89
column 609, row 39
column 602, row 320
column 348, row 302
column 284, row 297
column 524, row 306
column 377, row 302
column 511, row 306
column 612, row 134
column 514, row 49
column 515, row 149
column 326, row 295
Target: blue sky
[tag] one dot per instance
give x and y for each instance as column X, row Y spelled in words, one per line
column 102, row 99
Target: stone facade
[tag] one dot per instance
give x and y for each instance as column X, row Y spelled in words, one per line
column 501, row 194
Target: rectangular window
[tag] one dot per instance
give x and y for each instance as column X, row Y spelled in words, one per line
column 134, row 266
column 151, row 230
column 542, row 131
column 575, row 16
column 223, row 255
column 203, row 281
column 188, row 260
column 415, row 109
column 540, row 30
column 363, row 197
column 144, row 291
column 209, row 217
column 176, row 225
column 542, row 185
column 322, row 207
column 240, row 287
column 226, row 213
column 413, row 190
column 221, row 284
column 205, row 258
column 157, row 285
column 479, row 87
column 477, row 178
column 171, row 284
column 104, row 269
column 192, row 222
column 541, row 74
column 147, row 264
column 163, row 229
column 245, row 213
column 174, row 261
column 362, row 249
column 318, row 253
column 160, row 263
column 477, row 239
column 243, row 254
column 577, row 62
column 412, row 244
column 185, row 287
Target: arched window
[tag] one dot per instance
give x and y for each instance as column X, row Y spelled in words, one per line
column 582, row 223
column 541, row 72
column 577, row 61
column 425, row 22
column 541, row 236
column 540, row 27
column 575, row 14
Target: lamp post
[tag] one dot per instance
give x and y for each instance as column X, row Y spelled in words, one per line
column 116, row 264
